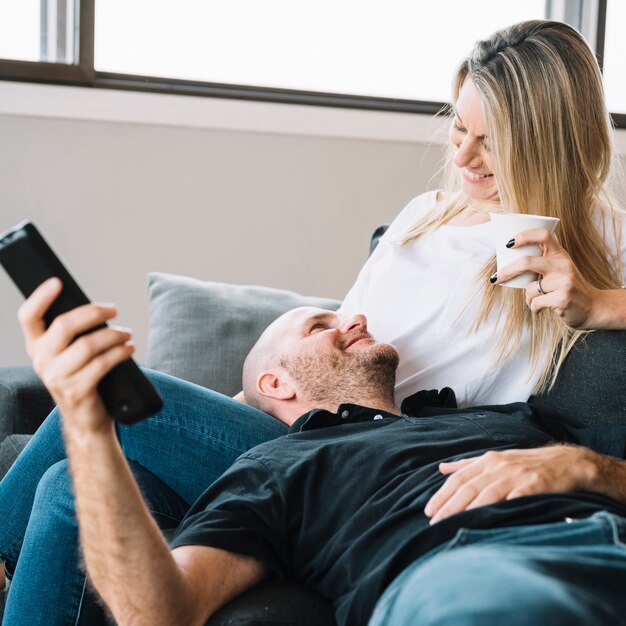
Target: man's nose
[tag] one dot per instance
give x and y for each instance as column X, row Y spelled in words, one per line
column 354, row 322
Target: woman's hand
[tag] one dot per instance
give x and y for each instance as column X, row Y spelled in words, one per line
column 566, row 291
column 496, row 476
column 72, row 367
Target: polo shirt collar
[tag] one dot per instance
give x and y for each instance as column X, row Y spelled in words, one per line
column 346, row 413
column 416, row 404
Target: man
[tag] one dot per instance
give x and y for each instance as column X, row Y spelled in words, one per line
column 353, row 501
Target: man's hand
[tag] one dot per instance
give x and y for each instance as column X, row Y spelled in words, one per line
column 71, row 368
column 497, row 476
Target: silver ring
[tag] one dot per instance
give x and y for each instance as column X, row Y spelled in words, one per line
column 539, row 289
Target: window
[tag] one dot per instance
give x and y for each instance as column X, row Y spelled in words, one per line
column 356, row 47
column 20, row 27
column 397, row 55
column 47, row 40
column 615, row 57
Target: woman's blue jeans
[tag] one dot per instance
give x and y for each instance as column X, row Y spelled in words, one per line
column 571, row 573
column 175, row 455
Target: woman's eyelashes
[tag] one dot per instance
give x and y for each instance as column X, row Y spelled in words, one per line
column 458, row 126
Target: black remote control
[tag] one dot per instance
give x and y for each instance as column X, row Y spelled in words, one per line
column 25, row 255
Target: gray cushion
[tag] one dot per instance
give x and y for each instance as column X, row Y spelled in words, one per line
column 202, row 331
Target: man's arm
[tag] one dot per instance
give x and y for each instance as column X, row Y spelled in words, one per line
column 508, row 474
column 126, row 555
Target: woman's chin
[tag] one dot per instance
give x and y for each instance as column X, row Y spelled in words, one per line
column 487, row 192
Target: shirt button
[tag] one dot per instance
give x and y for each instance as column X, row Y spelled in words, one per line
column 378, row 417
column 345, row 415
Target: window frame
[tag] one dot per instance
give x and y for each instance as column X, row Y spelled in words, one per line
column 84, row 74
column 81, row 73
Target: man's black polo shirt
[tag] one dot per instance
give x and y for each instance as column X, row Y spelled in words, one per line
column 338, row 503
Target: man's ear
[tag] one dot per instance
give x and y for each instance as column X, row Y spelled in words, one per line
column 276, row 384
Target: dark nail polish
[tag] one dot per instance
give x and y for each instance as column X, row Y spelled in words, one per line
column 510, row 243
column 494, row 278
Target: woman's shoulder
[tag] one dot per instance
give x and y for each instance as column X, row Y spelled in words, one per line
column 415, row 210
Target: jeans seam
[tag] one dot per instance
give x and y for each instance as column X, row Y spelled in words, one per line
column 613, row 531
column 80, row 604
column 13, row 551
column 457, row 541
column 238, row 449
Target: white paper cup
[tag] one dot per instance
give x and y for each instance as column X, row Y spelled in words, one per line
column 505, row 227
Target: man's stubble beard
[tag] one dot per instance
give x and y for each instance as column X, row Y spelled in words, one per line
column 328, row 380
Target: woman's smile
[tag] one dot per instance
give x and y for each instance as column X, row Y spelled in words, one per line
column 475, row 178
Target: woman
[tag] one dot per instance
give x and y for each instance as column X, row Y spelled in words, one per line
column 524, row 141
column 530, row 134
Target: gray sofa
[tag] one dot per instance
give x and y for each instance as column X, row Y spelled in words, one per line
column 202, row 331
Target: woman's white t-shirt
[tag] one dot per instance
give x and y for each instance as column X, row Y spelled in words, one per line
column 423, row 297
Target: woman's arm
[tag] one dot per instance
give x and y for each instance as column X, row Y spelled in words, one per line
column 609, row 309
column 565, row 289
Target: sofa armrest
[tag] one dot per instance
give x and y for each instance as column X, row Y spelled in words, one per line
column 24, row 401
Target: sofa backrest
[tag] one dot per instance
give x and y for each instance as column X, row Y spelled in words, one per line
column 591, row 386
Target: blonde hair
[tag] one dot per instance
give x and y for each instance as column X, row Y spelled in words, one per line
column 551, row 141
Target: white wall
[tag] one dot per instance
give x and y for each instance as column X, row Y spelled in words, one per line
column 124, row 184
column 118, row 200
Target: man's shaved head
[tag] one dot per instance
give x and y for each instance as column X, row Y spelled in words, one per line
column 325, row 358
column 264, row 355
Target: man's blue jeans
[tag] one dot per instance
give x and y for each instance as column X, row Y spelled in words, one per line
column 570, row 573
column 175, row 455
